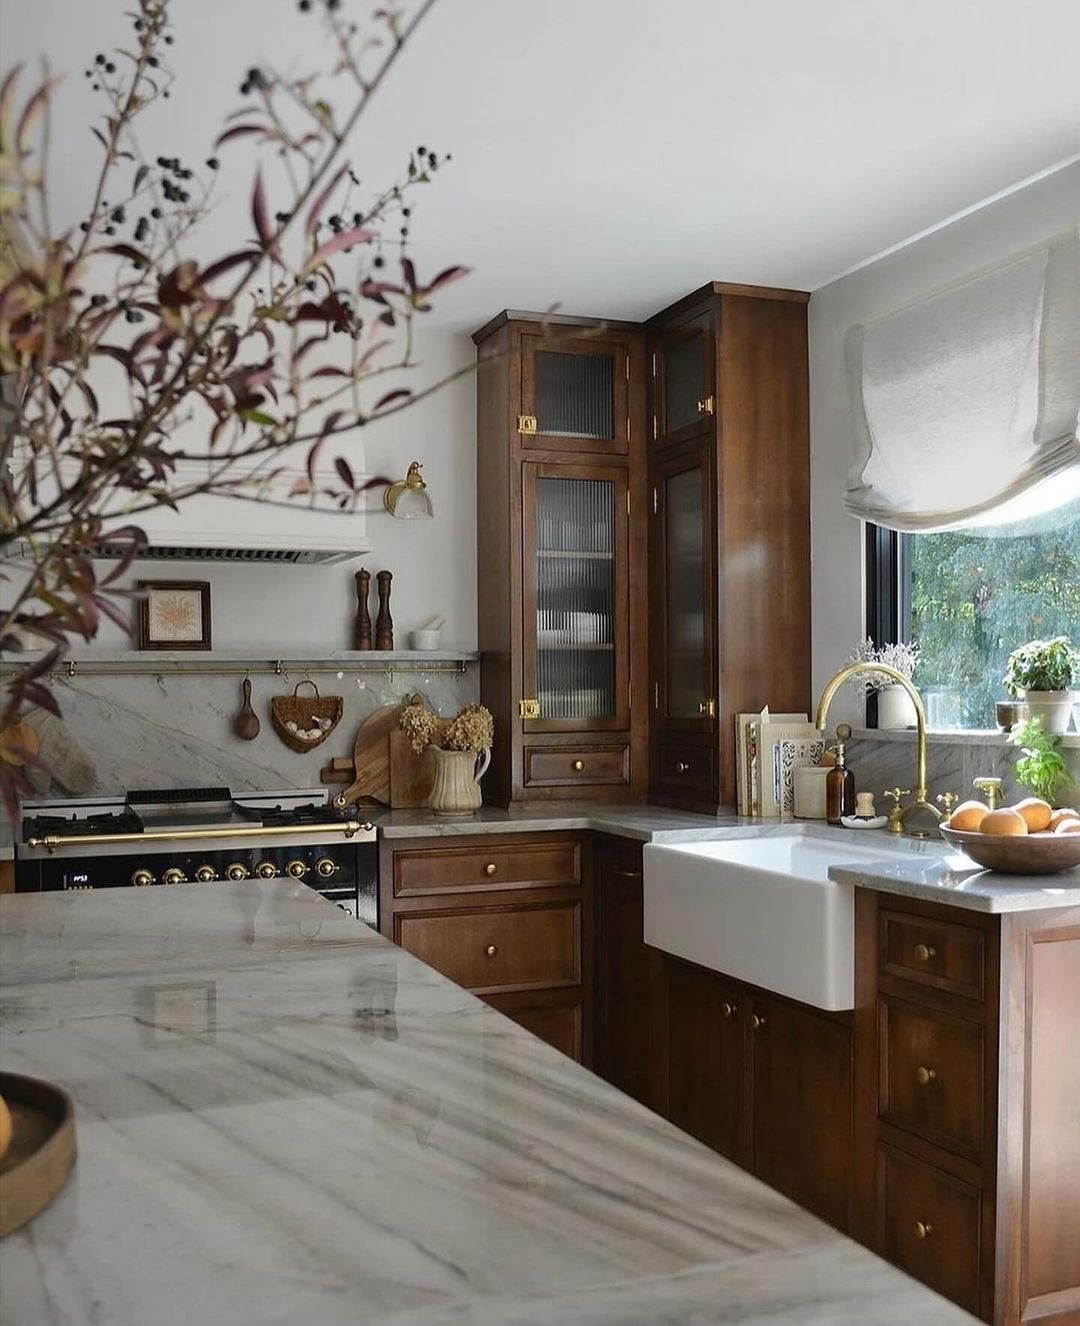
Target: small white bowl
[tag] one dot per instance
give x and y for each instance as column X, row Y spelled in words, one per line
column 424, row 640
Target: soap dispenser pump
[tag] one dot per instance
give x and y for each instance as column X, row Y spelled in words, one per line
column 840, row 781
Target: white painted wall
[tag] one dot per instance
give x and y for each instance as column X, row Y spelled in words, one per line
column 1023, row 218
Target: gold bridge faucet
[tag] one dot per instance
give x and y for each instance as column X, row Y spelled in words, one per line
column 899, row 813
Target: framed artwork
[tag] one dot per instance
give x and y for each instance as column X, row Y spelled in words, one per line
column 174, row 614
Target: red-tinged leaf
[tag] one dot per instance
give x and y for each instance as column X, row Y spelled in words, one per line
column 126, row 251
column 239, row 131
column 345, row 473
column 329, row 372
column 41, row 665
column 445, row 277
column 32, row 112
column 320, row 202
column 136, row 540
column 260, row 214
column 344, row 239
column 398, row 394
column 309, row 344
column 112, row 612
column 36, row 694
column 122, row 356
column 370, row 353
column 140, row 175
column 224, row 265
column 329, row 424
column 7, row 96
column 410, row 274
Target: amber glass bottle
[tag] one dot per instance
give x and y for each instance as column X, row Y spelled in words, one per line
column 840, row 782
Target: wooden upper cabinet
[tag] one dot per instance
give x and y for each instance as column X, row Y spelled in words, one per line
column 682, row 363
column 575, row 599
column 575, row 394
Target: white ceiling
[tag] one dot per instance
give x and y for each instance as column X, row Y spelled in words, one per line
column 612, row 154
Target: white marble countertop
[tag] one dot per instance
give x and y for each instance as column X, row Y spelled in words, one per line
column 951, row 877
column 283, row 1117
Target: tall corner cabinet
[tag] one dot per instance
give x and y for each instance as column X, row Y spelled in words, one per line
column 561, row 564
column 729, row 529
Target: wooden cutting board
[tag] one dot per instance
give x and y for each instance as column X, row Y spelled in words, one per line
column 371, row 758
column 411, row 775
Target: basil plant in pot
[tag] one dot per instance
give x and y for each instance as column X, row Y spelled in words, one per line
column 1043, row 673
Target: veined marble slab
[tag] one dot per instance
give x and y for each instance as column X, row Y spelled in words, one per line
column 276, row 1126
column 955, row 879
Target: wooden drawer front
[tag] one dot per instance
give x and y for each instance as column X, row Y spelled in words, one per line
column 928, row 1225
column 557, row 1023
column 502, row 864
column 498, row 948
column 565, row 766
column 690, row 768
column 931, row 1067
column 934, row 953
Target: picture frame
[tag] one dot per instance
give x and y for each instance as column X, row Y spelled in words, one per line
column 174, row 614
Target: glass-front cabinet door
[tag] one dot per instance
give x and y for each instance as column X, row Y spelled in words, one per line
column 574, row 395
column 682, row 594
column 576, row 633
column 684, row 397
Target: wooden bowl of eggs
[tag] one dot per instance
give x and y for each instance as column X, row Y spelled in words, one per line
column 1030, row 838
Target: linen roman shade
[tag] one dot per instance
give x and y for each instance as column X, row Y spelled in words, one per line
column 965, row 402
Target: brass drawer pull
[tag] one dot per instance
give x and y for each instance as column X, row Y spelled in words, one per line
column 728, row 1010
column 924, row 952
column 490, row 868
column 923, row 1229
column 924, row 1076
column 757, row 1021
column 578, row 766
column 491, row 950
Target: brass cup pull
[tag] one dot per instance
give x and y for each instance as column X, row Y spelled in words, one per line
column 490, row 868
column 924, row 952
column 924, row 1076
column 578, row 766
column 923, row 1229
column 491, row 951
column 728, row 1010
column 757, row 1021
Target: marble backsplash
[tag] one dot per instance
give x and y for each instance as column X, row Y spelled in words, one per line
column 175, row 730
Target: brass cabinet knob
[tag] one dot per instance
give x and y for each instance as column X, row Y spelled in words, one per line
column 266, row 870
column 491, row 950
column 923, row 1228
column 141, row 878
column 490, row 868
column 297, row 869
column 236, row 870
column 682, row 767
column 205, row 874
column 578, row 766
column 728, row 1010
column 924, row 952
column 325, row 867
column 757, row 1021
column 924, row 1076
column 173, row 875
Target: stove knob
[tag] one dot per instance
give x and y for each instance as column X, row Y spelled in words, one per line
column 141, row 878
column 236, row 871
column 325, row 867
column 266, row 870
column 205, row 874
column 297, row 869
column 174, row 875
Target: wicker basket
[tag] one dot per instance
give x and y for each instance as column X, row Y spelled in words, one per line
column 305, row 721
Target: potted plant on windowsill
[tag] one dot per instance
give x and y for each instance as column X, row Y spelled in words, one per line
column 1042, row 673
column 895, row 707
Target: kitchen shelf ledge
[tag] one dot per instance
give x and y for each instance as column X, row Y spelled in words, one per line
column 953, row 736
column 225, row 663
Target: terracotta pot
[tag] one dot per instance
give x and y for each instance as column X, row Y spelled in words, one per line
column 456, row 789
column 1053, row 707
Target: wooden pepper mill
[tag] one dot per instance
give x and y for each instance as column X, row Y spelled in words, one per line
column 362, row 627
column 384, row 623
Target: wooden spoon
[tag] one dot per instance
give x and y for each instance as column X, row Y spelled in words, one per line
column 246, row 723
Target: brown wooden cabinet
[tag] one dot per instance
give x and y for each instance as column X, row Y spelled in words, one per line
column 561, row 557
column 729, row 536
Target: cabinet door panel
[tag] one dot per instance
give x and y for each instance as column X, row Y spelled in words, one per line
column 802, row 1075
column 555, row 1016
column 574, row 395
column 575, row 601
column 684, row 393
column 707, row 1057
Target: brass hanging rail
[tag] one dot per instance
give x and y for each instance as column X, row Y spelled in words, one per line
column 148, row 665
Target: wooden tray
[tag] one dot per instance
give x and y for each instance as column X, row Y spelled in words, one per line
column 42, row 1151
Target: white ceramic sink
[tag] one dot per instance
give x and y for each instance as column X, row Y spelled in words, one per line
column 760, row 909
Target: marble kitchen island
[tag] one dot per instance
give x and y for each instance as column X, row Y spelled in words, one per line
column 282, row 1117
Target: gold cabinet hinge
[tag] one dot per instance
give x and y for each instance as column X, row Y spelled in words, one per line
column 656, row 695
column 655, row 428
column 628, row 428
column 655, row 501
column 527, row 424
column 654, row 363
column 707, row 406
column 628, row 368
column 628, row 501
column 707, row 708
column 529, row 708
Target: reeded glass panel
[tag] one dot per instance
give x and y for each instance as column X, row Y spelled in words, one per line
column 684, row 379
column 575, row 600
column 574, row 394
column 687, row 685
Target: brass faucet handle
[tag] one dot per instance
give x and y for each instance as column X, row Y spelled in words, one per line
column 896, row 793
column 991, row 791
column 948, row 800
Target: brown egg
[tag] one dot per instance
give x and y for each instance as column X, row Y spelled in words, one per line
column 1036, row 813
column 1068, row 826
column 968, row 816
column 1004, row 822
column 1065, row 813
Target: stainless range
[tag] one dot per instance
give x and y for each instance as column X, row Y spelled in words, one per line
column 202, row 836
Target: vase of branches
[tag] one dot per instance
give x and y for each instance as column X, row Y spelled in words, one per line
column 895, row 707
column 460, row 750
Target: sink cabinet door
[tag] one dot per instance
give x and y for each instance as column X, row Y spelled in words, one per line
column 707, row 1058
column 802, row 1105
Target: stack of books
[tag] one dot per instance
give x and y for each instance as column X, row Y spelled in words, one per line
column 769, row 748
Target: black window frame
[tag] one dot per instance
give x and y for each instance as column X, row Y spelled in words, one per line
column 888, row 593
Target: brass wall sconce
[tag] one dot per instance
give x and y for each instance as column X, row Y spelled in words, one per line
column 408, row 499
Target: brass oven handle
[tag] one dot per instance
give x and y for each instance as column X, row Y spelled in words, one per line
column 52, row 841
